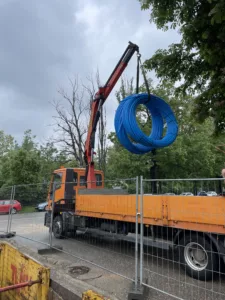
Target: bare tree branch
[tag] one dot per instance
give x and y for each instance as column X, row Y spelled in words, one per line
column 72, row 118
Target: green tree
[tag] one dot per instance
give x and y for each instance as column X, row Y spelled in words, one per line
column 198, row 61
column 192, row 155
column 28, row 142
column 52, row 159
column 22, row 164
column 29, row 166
column 7, row 143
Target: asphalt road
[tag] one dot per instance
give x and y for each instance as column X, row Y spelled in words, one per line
column 161, row 269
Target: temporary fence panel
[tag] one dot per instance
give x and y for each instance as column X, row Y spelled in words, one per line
column 89, row 220
column 28, row 220
column 106, row 225
column 99, row 242
column 6, row 198
column 21, row 277
column 183, row 239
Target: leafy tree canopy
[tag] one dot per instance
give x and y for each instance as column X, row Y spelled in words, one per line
column 198, row 61
column 29, row 162
column 192, row 155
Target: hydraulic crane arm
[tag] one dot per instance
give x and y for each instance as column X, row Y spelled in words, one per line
column 98, row 101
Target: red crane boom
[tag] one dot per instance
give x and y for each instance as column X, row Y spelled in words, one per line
column 98, row 101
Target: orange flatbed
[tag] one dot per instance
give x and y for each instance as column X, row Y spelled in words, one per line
column 206, row 214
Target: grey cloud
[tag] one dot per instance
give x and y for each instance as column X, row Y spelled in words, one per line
column 40, row 45
column 43, row 42
column 37, row 38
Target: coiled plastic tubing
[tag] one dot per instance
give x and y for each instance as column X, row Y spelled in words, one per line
column 127, row 128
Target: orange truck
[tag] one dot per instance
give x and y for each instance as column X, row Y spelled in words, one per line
column 194, row 225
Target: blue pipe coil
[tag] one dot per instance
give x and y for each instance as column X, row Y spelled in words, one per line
column 127, row 128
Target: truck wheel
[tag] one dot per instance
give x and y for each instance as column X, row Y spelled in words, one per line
column 197, row 257
column 58, row 228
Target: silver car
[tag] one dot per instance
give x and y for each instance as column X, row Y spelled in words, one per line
column 211, row 193
column 187, row 194
column 41, row 206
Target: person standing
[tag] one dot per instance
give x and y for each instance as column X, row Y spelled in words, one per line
column 223, row 173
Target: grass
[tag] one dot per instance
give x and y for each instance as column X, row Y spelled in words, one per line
column 27, row 209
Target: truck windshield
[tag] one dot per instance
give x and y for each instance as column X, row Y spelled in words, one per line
column 57, row 179
column 82, row 181
column 98, row 178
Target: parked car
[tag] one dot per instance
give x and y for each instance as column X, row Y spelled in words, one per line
column 170, row 194
column 6, row 206
column 211, row 193
column 202, row 193
column 187, row 194
column 41, row 206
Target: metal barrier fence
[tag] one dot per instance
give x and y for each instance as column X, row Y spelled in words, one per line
column 24, row 217
column 168, row 237
column 183, row 244
column 6, row 196
column 104, row 242
column 99, row 225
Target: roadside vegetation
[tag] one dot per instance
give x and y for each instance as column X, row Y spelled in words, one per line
column 190, row 77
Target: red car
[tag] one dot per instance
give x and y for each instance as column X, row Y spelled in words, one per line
column 6, row 205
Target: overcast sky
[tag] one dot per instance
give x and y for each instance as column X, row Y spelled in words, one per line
column 45, row 41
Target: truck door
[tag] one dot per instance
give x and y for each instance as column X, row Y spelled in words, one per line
column 71, row 184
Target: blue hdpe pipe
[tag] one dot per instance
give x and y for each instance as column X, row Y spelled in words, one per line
column 127, row 129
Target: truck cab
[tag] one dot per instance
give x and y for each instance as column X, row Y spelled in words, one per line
column 67, row 183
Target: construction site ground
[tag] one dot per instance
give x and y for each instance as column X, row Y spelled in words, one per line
column 73, row 272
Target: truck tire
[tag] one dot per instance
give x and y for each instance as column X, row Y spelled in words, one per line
column 58, row 228
column 198, row 257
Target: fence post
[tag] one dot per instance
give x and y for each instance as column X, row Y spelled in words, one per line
column 52, row 214
column 10, row 210
column 136, row 236
column 137, row 292
column 142, row 232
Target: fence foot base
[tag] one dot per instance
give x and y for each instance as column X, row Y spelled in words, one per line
column 50, row 250
column 136, row 294
column 7, row 235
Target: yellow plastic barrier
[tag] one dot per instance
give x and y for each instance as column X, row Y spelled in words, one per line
column 17, row 269
column 90, row 295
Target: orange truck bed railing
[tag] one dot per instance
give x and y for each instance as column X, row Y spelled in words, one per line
column 198, row 213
